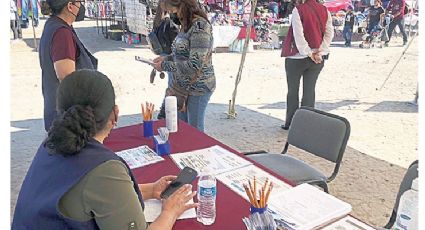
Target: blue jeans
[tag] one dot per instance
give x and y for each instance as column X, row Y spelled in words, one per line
column 347, row 32
column 195, row 111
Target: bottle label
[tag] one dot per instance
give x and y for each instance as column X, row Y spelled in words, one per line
column 402, row 222
column 207, row 191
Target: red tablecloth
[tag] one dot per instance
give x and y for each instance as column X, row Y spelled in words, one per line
column 230, row 206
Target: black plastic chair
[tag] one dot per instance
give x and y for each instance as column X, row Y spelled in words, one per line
column 317, row 132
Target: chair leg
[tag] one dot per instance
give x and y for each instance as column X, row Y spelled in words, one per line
column 391, row 220
column 324, row 185
column 321, row 184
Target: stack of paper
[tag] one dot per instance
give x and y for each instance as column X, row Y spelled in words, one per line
column 153, row 208
column 348, row 223
column 140, row 156
column 216, row 158
column 306, row 207
column 236, row 178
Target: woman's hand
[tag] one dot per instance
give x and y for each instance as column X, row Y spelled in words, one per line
column 159, row 59
column 157, row 66
column 160, row 185
column 316, row 57
column 173, row 207
column 176, row 204
column 157, row 62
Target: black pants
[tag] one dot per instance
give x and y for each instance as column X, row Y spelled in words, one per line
column 295, row 69
column 400, row 23
column 16, row 29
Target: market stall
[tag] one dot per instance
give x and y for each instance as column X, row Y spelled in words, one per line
column 268, row 28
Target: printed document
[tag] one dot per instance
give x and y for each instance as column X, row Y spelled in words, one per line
column 306, row 207
column 153, row 208
column 139, row 157
column 236, row 178
column 218, row 159
column 348, row 223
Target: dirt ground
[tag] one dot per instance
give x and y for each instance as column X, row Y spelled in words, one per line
column 384, row 135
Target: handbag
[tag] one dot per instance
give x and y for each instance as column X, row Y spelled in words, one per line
column 154, row 43
column 181, row 96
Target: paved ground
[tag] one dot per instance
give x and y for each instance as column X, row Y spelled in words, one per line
column 384, row 133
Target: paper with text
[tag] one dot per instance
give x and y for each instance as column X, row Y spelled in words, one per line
column 153, row 208
column 236, row 178
column 348, row 223
column 306, row 207
column 139, row 157
column 218, row 159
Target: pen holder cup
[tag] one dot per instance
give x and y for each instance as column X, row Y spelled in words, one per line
column 162, row 149
column 147, row 128
column 253, row 210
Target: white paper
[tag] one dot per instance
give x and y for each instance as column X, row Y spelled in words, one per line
column 139, row 157
column 216, row 158
column 236, row 178
column 348, row 223
column 153, row 208
column 144, row 60
column 306, row 207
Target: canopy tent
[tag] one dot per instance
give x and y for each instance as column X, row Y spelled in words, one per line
column 336, row 5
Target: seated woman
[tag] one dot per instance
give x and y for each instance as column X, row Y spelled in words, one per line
column 75, row 182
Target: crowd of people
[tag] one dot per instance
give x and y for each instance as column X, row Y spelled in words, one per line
column 80, row 110
column 376, row 21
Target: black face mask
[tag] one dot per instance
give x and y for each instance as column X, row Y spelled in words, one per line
column 175, row 19
column 81, row 13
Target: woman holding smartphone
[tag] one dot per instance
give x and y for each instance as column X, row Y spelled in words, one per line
column 190, row 62
column 75, row 182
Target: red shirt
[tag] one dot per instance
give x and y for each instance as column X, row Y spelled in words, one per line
column 64, row 45
column 397, row 6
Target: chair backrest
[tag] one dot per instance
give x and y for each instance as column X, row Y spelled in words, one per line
column 406, row 183
column 320, row 133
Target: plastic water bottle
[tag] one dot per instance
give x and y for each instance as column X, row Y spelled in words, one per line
column 407, row 212
column 207, row 192
column 171, row 113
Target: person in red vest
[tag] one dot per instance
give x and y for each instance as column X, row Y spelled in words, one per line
column 396, row 8
column 306, row 47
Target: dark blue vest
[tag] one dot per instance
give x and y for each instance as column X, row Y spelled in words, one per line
column 50, row 81
column 49, row 177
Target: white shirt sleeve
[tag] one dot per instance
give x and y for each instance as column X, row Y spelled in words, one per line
column 327, row 38
column 297, row 28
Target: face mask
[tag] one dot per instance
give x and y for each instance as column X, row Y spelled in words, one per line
column 175, row 19
column 81, row 13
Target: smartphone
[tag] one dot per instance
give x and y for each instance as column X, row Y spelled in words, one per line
column 186, row 176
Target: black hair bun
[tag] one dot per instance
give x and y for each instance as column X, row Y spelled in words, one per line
column 71, row 131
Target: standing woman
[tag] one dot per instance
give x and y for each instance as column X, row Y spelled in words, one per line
column 61, row 51
column 190, row 62
column 305, row 48
column 166, row 31
column 75, row 182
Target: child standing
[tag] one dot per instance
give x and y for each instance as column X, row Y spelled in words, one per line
column 348, row 26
